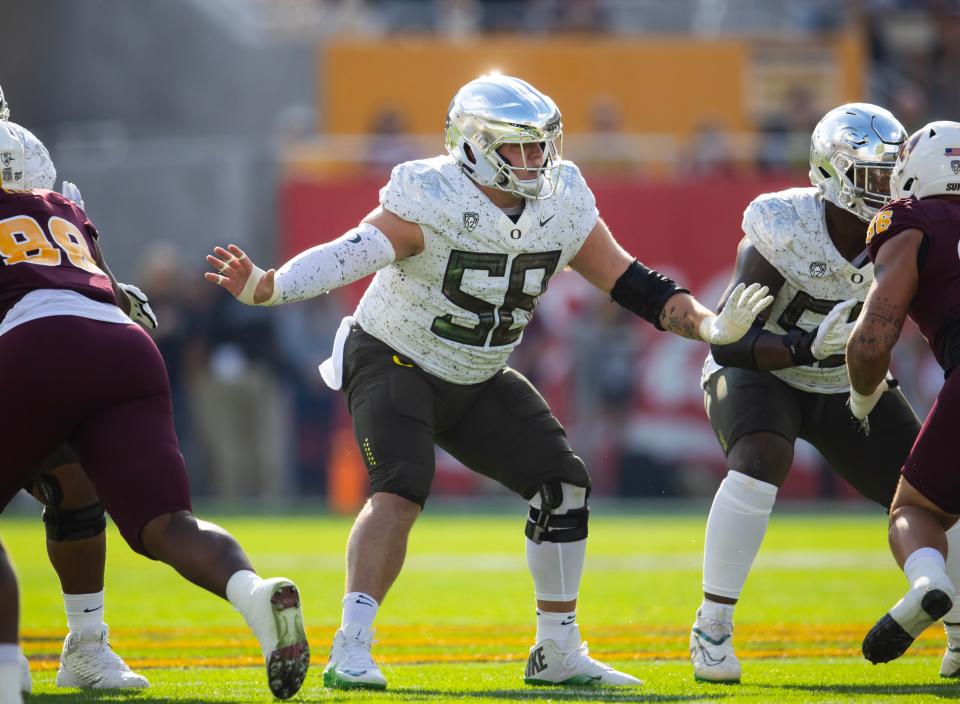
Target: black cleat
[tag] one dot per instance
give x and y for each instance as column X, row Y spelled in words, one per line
column 888, row 640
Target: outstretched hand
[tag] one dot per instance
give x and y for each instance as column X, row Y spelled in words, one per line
column 832, row 334
column 247, row 282
column 741, row 309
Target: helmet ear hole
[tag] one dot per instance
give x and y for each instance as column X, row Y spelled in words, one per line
column 908, row 184
column 826, row 174
column 469, row 153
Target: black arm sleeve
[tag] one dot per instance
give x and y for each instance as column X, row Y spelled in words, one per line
column 740, row 353
column 645, row 292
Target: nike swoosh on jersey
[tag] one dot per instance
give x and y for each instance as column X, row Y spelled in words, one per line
column 544, row 222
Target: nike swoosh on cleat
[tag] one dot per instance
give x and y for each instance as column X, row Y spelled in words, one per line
column 544, row 222
column 355, row 239
column 711, row 641
column 708, row 658
column 354, row 673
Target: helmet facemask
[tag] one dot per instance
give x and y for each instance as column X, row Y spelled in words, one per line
column 507, row 175
column 865, row 185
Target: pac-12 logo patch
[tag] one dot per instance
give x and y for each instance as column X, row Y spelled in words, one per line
column 471, row 220
column 818, row 269
column 955, row 165
column 6, row 158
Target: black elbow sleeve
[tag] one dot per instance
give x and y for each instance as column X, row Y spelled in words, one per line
column 645, row 292
column 740, row 353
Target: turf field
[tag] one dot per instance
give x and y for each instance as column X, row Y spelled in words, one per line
column 458, row 623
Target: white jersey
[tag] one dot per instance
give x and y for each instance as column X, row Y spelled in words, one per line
column 789, row 230
column 458, row 308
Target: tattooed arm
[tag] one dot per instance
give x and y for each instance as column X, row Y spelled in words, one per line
column 658, row 299
column 895, row 279
column 602, row 261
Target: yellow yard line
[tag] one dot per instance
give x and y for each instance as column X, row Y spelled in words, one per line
column 637, row 631
column 50, row 663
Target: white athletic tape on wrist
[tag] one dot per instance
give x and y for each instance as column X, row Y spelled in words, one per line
column 246, row 295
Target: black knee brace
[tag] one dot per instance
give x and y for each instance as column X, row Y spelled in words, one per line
column 74, row 524
column 552, row 521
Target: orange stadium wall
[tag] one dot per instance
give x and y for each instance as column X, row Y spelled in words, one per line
column 689, row 230
column 655, row 85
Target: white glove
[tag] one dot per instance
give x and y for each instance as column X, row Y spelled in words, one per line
column 741, row 309
column 140, row 309
column 832, row 333
column 861, row 405
column 70, row 191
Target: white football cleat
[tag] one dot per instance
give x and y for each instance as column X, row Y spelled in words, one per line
column 950, row 665
column 276, row 619
column 926, row 601
column 26, row 682
column 351, row 665
column 88, row 662
column 711, row 650
column 570, row 664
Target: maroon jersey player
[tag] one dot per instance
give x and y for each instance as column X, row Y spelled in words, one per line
column 914, row 245
column 75, row 368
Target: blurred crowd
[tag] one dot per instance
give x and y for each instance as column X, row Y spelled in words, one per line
column 254, row 418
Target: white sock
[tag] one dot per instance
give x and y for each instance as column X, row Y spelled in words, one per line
column 555, row 625
column 556, row 568
column 924, row 563
column 359, row 610
column 240, row 588
column 10, row 683
column 951, row 622
column 10, row 654
column 84, row 612
column 715, row 611
column 735, row 529
column 10, row 674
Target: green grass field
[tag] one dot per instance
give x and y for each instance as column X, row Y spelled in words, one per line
column 459, row 622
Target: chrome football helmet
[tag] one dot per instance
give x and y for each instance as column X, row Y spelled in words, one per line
column 495, row 110
column 4, row 108
column 12, row 159
column 852, row 152
column 929, row 162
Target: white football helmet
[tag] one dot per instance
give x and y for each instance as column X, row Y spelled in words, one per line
column 929, row 162
column 494, row 110
column 852, row 152
column 29, row 164
column 39, row 171
column 4, row 108
column 12, row 159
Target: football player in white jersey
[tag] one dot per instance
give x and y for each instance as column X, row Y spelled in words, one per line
column 73, row 516
column 787, row 377
column 464, row 245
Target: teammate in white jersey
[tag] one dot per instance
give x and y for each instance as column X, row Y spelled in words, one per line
column 463, row 246
column 787, row 377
